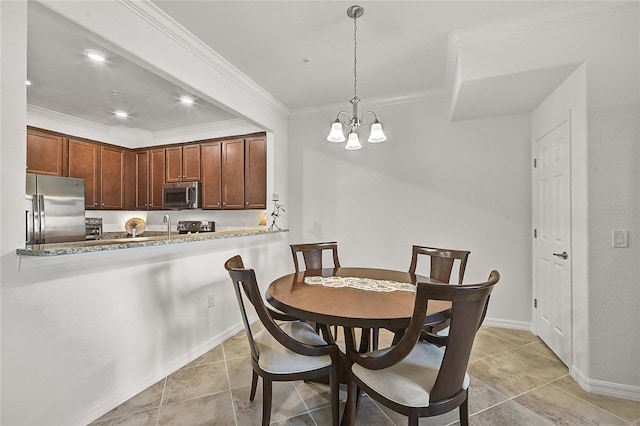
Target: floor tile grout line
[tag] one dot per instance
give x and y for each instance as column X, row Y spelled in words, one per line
column 226, row 370
column 164, row 389
column 587, row 402
column 307, row 411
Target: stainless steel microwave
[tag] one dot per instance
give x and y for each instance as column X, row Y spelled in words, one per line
column 181, row 195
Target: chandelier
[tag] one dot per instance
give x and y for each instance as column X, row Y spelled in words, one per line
column 353, row 123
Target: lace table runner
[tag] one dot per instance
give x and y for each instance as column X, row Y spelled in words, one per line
column 367, row 284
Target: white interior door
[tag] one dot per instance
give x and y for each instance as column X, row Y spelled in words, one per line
column 552, row 216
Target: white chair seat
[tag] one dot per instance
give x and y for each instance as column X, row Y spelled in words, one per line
column 410, row 381
column 275, row 358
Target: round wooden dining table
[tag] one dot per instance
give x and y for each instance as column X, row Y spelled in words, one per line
column 352, row 307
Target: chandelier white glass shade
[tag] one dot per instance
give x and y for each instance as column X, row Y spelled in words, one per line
column 353, row 122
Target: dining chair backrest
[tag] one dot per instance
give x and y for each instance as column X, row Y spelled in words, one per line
column 312, row 254
column 246, row 279
column 442, row 261
column 468, row 305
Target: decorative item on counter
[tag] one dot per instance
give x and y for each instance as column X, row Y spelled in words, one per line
column 277, row 211
column 263, row 219
column 135, row 226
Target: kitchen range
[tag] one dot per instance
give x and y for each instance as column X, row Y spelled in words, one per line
column 195, row 226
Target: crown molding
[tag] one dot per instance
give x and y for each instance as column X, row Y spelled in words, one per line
column 150, row 13
column 134, row 138
column 553, row 17
column 216, row 129
column 38, row 116
column 383, row 101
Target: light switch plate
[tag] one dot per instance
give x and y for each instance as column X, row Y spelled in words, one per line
column 620, row 238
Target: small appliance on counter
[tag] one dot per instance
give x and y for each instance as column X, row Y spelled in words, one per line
column 93, row 226
column 194, row 226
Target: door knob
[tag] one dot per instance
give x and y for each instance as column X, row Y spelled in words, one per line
column 563, row 255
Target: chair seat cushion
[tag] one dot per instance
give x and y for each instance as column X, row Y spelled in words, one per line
column 275, row 358
column 410, row 381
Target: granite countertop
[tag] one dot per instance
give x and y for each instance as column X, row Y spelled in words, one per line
column 109, row 244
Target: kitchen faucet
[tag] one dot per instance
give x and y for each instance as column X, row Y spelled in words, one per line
column 167, row 219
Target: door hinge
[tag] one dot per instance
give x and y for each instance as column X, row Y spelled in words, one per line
column 535, row 163
column 535, row 233
column 535, row 303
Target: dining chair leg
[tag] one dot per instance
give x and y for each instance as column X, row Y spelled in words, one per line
column 413, row 419
column 266, row 401
column 349, row 416
column 464, row 411
column 365, row 340
column 334, row 386
column 254, row 385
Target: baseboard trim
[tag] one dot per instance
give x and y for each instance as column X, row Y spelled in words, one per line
column 514, row 325
column 110, row 402
column 599, row 387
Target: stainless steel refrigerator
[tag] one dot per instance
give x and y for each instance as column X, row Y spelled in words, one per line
column 55, row 209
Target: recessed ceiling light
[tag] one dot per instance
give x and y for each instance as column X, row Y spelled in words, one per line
column 27, row 83
column 94, row 55
column 121, row 114
column 186, row 100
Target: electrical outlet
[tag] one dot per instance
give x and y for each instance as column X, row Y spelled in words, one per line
column 212, row 300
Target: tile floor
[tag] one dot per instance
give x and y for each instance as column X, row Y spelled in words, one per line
column 516, row 380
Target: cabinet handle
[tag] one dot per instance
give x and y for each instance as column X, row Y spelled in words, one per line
column 247, row 203
column 95, row 204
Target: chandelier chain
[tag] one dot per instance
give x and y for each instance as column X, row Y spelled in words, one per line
column 355, row 57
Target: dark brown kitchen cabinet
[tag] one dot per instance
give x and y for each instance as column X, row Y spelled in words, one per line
column 182, row 163
column 150, row 175
column 211, row 175
column 45, row 153
column 142, row 180
column 107, row 174
column 84, row 163
column 112, row 178
column 255, row 176
column 233, row 174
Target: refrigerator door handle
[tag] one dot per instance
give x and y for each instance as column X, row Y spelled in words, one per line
column 41, row 221
column 29, row 219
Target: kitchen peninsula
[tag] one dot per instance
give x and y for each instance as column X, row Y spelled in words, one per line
column 126, row 243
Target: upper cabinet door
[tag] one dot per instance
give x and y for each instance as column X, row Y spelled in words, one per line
column 44, row 153
column 112, row 178
column 233, row 174
column 211, row 175
column 142, row 180
column 191, row 163
column 156, row 177
column 84, row 163
column 255, row 182
column 173, row 164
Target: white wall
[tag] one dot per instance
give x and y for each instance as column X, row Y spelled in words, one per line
column 83, row 333
column 459, row 185
column 614, row 274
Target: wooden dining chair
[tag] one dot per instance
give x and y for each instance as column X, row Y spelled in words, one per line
column 312, row 254
column 416, row 378
column 441, row 266
column 442, row 261
column 287, row 352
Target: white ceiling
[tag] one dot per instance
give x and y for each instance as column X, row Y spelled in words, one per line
column 402, row 49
